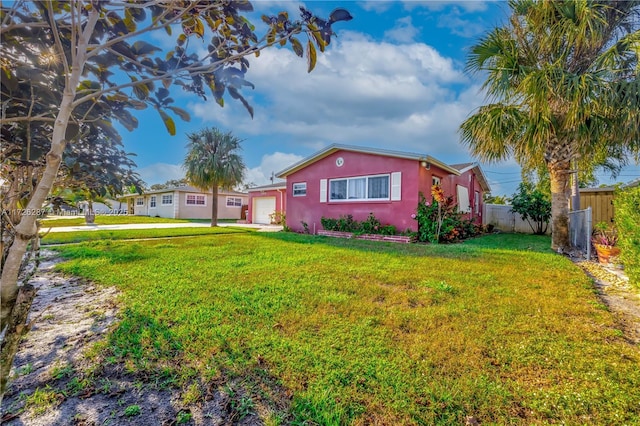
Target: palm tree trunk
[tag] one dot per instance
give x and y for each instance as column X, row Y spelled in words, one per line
column 214, row 205
column 575, row 188
column 559, row 173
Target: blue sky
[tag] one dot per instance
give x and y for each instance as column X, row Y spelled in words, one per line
column 393, row 78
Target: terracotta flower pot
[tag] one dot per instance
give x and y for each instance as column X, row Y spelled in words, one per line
column 605, row 253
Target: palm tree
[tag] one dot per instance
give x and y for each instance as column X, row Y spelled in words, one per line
column 212, row 162
column 562, row 77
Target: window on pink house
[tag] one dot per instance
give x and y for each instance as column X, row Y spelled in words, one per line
column 359, row 188
column 300, row 189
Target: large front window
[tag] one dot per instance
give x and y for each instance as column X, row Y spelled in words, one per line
column 360, row 188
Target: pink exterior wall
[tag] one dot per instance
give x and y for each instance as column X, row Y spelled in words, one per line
column 281, row 200
column 309, row 209
column 468, row 180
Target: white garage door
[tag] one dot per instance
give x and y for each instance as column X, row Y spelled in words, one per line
column 262, row 208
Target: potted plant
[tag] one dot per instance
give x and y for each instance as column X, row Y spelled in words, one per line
column 604, row 240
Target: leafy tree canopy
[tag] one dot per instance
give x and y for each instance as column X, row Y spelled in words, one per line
column 66, row 65
column 171, row 183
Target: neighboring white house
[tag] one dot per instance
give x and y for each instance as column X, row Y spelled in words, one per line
column 185, row 202
column 108, row 207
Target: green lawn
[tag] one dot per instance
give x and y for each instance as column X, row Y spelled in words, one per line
column 131, row 234
column 113, row 220
column 328, row 331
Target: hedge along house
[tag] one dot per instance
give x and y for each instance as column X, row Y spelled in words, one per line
column 185, row 202
column 349, row 180
column 266, row 202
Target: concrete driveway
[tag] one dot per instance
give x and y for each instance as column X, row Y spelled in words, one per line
column 259, row 227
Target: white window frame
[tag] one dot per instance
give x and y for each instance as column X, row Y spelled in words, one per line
column 234, row 201
column 436, row 180
column 163, row 200
column 366, row 187
column 195, row 198
column 300, row 188
column 139, row 201
column 152, row 202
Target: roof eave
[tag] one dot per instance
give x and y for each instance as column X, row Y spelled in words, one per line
column 373, row 151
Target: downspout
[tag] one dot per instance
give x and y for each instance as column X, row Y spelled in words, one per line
column 281, row 206
column 472, row 196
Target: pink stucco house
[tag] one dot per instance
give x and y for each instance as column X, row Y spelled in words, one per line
column 265, row 201
column 343, row 179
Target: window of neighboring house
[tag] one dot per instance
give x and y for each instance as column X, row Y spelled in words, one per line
column 152, row 202
column 140, row 201
column 167, row 199
column 360, row 188
column 234, row 202
column 435, row 180
column 196, row 200
column 300, row 189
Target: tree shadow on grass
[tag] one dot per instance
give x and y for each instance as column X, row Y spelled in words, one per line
column 135, row 376
column 114, row 253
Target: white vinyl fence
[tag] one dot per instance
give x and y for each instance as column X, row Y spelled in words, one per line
column 580, row 224
column 502, row 218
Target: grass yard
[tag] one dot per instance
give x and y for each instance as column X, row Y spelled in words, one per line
column 113, row 220
column 130, row 234
column 329, row 331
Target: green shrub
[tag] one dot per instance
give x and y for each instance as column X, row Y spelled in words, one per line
column 533, row 206
column 627, row 204
column 452, row 226
column 347, row 223
column 329, row 224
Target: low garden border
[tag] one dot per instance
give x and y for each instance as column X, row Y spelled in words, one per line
column 369, row 237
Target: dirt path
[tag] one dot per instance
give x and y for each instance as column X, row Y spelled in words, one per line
column 616, row 292
column 55, row 383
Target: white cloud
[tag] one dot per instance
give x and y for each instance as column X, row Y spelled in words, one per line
column 361, row 92
column 160, row 173
column 461, row 26
column 378, row 6
column 403, row 31
column 436, row 5
column 271, row 163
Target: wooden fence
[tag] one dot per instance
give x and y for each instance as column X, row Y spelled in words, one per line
column 502, row 218
column 601, row 202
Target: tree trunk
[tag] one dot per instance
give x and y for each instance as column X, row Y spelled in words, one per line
column 214, row 205
column 575, row 188
column 26, row 228
column 16, row 329
column 559, row 173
